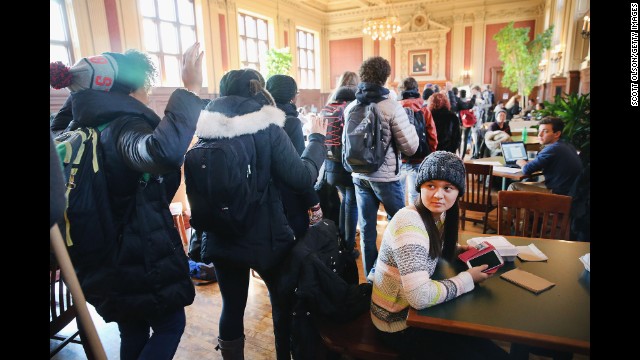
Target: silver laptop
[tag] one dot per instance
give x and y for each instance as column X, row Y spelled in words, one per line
column 512, row 151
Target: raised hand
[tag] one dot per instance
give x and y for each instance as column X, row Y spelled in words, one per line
column 192, row 68
column 318, row 124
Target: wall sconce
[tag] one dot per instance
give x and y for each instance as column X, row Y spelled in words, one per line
column 556, row 53
column 586, row 27
column 542, row 65
column 466, row 76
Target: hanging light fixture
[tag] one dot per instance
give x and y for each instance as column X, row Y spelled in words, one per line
column 382, row 27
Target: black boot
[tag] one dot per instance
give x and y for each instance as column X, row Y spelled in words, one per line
column 232, row 349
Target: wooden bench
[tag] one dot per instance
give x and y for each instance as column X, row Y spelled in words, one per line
column 357, row 339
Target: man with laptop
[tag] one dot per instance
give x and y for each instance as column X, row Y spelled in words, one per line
column 558, row 160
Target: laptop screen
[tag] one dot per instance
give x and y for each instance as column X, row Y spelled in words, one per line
column 513, row 151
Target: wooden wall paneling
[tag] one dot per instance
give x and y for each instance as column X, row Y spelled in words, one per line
column 573, row 84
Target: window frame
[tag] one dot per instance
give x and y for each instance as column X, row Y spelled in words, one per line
column 160, row 54
column 243, row 39
column 303, row 82
column 68, row 44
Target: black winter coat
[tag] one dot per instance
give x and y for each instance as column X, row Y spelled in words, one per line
column 152, row 272
column 296, row 204
column 448, row 129
column 270, row 238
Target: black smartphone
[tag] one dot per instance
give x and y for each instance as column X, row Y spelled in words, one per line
column 491, row 258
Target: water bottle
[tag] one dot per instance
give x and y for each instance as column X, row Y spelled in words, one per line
column 524, row 134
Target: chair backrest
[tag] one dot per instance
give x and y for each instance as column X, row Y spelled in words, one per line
column 478, row 193
column 533, row 214
column 61, row 308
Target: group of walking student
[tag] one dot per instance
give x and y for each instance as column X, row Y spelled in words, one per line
column 152, row 286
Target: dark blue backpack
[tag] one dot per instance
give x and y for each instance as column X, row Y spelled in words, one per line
column 222, row 185
column 89, row 229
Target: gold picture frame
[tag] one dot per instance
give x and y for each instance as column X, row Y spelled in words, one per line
column 420, row 62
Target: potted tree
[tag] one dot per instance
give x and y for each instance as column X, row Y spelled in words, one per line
column 520, row 57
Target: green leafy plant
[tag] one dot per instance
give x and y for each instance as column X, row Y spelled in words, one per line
column 279, row 61
column 575, row 112
column 520, row 57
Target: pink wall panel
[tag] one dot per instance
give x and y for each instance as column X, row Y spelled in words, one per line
column 344, row 55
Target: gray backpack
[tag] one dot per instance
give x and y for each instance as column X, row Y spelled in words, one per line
column 363, row 149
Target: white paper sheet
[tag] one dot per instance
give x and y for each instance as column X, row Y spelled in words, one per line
column 506, row 169
column 532, row 250
column 494, row 163
column 586, row 261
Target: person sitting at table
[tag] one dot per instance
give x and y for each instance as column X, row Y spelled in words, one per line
column 500, row 124
column 558, row 160
column 415, row 239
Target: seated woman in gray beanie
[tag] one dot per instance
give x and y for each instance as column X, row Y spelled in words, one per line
column 298, row 206
column 415, row 238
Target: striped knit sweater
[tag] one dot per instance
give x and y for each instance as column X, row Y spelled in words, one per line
column 403, row 274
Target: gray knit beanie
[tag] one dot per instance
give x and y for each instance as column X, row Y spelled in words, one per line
column 442, row 165
column 501, row 110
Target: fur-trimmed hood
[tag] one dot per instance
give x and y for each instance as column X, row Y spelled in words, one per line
column 226, row 117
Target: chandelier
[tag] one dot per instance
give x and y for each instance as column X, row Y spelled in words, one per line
column 382, row 27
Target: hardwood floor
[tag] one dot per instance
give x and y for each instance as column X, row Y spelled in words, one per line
column 199, row 339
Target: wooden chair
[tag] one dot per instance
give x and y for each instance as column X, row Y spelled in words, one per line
column 67, row 302
column 356, row 339
column 532, row 214
column 62, row 310
column 478, row 194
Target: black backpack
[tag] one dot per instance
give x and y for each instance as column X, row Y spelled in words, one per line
column 89, row 229
column 416, row 118
column 334, row 113
column 222, row 185
column 363, row 146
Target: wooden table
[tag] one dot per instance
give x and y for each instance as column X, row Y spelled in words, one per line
column 557, row 319
column 519, row 176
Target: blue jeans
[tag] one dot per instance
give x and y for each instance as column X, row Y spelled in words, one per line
column 410, row 172
column 136, row 344
column 369, row 195
column 348, row 215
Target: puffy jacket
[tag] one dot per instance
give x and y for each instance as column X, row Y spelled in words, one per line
column 152, row 272
column 395, row 124
column 416, row 104
column 270, row 237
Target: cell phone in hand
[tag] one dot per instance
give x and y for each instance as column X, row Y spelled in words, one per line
column 491, row 258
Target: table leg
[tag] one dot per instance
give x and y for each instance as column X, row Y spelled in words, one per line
column 504, row 183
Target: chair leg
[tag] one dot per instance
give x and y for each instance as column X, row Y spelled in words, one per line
column 462, row 219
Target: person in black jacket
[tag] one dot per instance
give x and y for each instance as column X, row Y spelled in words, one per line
column 150, row 286
column 284, row 90
column 245, row 107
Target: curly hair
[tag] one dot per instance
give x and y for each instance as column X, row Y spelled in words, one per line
column 376, row 70
column 143, row 70
column 438, row 101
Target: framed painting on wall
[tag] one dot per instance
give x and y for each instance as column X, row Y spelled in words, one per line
column 420, row 62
